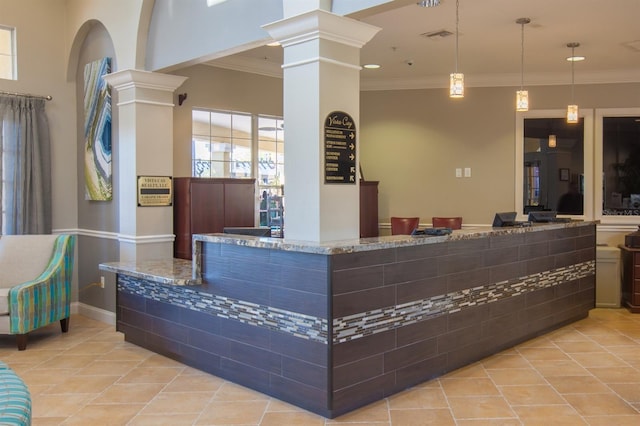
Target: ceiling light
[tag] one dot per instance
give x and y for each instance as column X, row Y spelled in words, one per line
column 214, row 2
column 371, row 66
column 456, row 79
column 572, row 110
column 522, row 96
column 576, row 58
column 428, row 3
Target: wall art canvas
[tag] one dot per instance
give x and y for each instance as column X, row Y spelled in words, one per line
column 97, row 131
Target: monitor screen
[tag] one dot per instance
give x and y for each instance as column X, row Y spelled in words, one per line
column 247, row 230
column 542, row 216
column 504, row 219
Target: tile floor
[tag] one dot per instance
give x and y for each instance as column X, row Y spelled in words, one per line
column 587, row 373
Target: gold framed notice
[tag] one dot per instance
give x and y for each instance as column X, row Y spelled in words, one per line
column 154, row 191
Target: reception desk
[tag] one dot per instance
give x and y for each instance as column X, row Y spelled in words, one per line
column 333, row 326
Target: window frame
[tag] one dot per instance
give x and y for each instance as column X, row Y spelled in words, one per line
column 588, row 145
column 600, row 114
column 231, row 140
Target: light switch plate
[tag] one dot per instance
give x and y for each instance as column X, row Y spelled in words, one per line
column 467, row 172
column 458, row 172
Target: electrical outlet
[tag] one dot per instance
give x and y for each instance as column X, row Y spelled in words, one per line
column 102, row 282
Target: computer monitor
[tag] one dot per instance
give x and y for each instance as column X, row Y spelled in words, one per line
column 248, row 230
column 504, row 219
column 542, row 216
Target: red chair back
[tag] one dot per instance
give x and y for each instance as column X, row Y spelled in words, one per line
column 404, row 225
column 447, row 222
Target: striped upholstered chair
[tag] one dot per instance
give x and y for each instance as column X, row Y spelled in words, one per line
column 35, row 283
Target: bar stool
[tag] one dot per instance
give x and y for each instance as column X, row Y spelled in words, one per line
column 447, row 222
column 404, row 225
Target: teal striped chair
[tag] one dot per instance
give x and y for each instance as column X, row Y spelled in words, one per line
column 15, row 399
column 35, row 283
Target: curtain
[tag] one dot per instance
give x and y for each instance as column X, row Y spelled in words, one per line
column 25, row 165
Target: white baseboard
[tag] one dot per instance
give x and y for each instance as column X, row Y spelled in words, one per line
column 93, row 313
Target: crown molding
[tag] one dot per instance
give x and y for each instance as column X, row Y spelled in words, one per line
column 271, row 69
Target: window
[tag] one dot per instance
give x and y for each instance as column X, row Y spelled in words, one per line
column 554, row 173
column 221, row 144
column 618, row 162
column 241, row 145
column 7, row 53
column 271, row 172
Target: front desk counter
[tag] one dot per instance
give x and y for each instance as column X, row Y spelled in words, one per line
column 330, row 327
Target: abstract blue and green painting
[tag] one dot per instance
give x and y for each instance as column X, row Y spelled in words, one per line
column 97, row 131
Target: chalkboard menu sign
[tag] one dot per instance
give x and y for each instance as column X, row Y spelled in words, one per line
column 339, row 148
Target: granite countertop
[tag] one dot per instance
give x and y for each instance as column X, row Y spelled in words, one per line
column 183, row 272
column 165, row 271
column 377, row 243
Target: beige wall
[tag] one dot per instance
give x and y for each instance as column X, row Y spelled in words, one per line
column 412, row 141
column 216, row 88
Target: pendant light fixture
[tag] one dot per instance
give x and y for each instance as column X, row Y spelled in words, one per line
column 456, row 79
column 522, row 96
column 552, row 141
column 572, row 109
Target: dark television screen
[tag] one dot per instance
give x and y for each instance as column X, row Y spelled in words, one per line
column 504, row 219
column 247, row 230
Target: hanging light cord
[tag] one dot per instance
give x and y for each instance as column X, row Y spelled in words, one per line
column 457, row 22
column 522, row 57
column 572, row 73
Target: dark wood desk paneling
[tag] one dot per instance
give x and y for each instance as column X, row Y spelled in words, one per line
column 631, row 278
column 204, row 206
column 368, row 209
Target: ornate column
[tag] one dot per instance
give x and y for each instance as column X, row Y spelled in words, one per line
column 145, row 145
column 321, row 87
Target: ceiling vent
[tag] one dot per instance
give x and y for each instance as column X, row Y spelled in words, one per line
column 437, row 35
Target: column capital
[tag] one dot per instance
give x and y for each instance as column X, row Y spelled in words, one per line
column 130, row 78
column 321, row 24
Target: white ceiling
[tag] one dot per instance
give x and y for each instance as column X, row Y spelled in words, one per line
column 489, row 44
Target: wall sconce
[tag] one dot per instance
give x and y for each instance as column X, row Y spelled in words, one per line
column 552, row 141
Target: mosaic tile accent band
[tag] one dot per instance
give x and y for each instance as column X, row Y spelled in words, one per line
column 353, row 326
column 379, row 320
column 299, row 325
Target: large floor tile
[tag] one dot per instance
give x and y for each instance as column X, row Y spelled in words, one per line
column 587, row 373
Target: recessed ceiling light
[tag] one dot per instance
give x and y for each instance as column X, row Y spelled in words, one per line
column 576, row 58
column 214, row 2
column 371, row 66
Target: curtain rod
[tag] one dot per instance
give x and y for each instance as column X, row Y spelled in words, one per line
column 27, row 95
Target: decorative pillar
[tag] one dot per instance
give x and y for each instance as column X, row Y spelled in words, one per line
column 321, row 83
column 145, row 145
